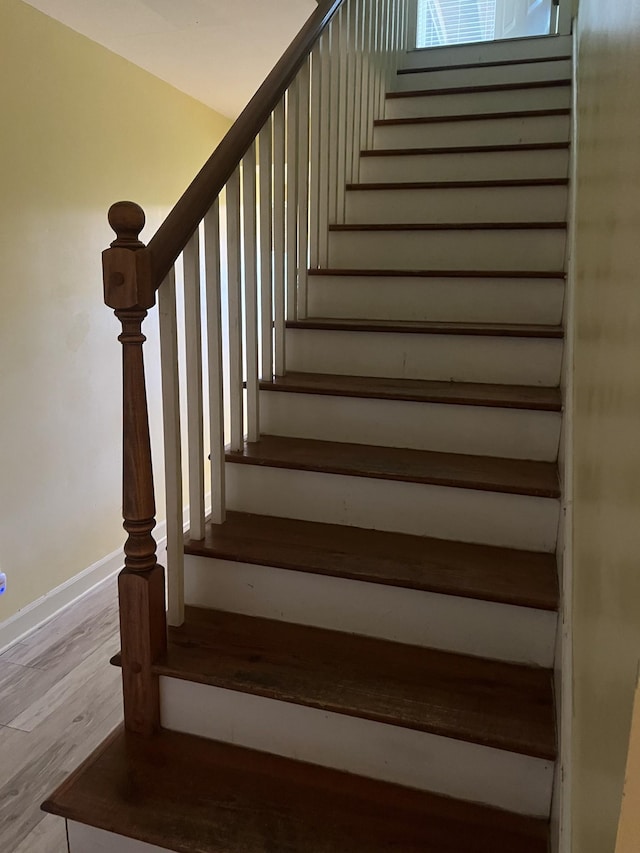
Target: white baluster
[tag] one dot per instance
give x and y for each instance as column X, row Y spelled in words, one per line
column 390, row 44
column 368, row 81
column 195, row 432
column 303, row 188
column 172, row 447
column 315, row 154
column 216, row 378
column 292, row 200
column 565, row 17
column 266, row 248
column 379, row 31
column 249, row 202
column 325, row 141
column 343, row 26
column 334, row 116
column 279, row 306
column 352, row 62
column 234, row 297
column 358, row 84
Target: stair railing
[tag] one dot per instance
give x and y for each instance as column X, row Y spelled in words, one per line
column 236, row 247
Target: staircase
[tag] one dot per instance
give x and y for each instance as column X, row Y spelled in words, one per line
column 367, row 652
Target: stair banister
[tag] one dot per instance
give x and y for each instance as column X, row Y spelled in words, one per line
column 275, row 182
column 129, row 291
column 172, row 236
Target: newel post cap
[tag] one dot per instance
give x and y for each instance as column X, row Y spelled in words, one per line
column 127, row 220
column 127, row 264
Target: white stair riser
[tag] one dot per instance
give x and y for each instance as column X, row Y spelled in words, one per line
column 527, row 72
column 377, row 750
column 536, row 250
column 474, row 103
column 477, row 166
column 465, row 204
column 497, row 631
column 467, row 515
column 89, row 839
column 460, row 300
column 489, row 51
column 455, row 358
column 501, row 131
column 488, row 431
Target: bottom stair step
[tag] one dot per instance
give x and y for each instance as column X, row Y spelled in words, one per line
column 191, row 795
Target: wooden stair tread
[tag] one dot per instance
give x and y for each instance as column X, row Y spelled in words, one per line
column 387, row 122
column 464, row 149
column 201, row 796
column 452, row 185
column 403, row 273
column 485, row 63
column 421, row 327
column 420, row 390
column 482, row 87
column 486, row 473
column 484, row 572
column 502, row 705
column 452, row 226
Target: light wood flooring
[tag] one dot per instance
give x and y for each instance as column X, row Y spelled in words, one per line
column 59, row 698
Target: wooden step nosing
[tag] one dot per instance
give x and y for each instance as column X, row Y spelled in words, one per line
column 515, row 147
column 425, row 563
column 497, row 116
column 456, row 185
column 296, row 698
column 464, row 329
column 532, row 60
column 558, row 83
column 195, row 549
column 454, row 482
column 450, row 226
column 408, row 397
column 387, row 273
column 166, row 669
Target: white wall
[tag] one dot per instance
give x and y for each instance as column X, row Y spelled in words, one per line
column 606, row 415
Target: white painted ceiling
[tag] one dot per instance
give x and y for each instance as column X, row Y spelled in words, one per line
column 218, row 51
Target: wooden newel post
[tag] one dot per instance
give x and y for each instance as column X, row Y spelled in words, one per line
column 128, row 289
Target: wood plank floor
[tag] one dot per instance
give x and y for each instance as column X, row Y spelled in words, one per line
column 59, row 698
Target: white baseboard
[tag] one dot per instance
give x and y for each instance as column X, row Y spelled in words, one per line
column 26, row 620
column 13, row 629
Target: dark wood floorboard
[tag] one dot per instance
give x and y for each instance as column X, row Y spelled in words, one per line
column 502, row 705
column 225, row 799
column 513, row 476
column 420, row 391
column 434, row 565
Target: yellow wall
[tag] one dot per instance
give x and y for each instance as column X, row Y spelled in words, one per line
column 607, row 415
column 80, row 128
